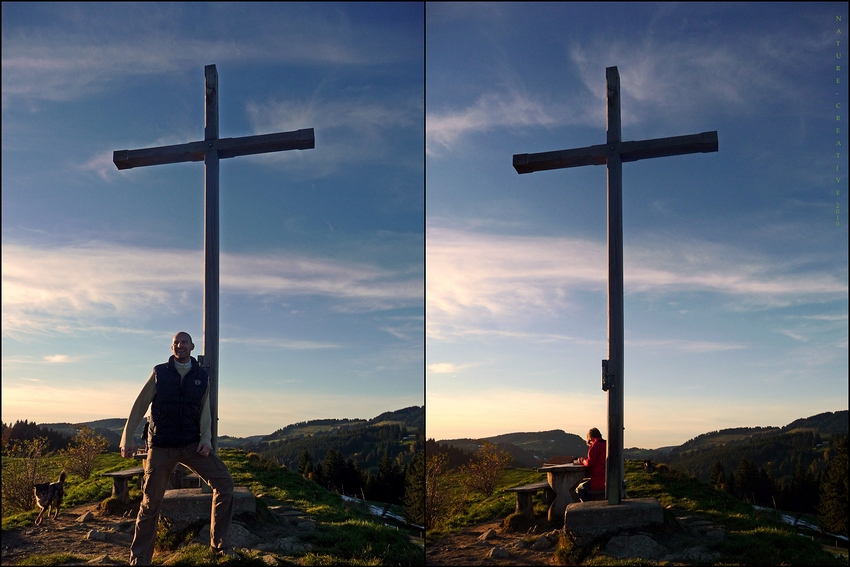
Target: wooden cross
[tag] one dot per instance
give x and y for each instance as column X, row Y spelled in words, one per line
column 210, row 150
column 613, row 153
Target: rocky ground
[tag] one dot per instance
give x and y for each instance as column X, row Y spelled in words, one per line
column 688, row 541
column 104, row 539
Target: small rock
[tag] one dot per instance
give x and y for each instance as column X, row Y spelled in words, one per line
column 715, row 535
column 489, row 534
column 85, row 517
column 541, row 543
column 239, row 536
column 103, row 560
column 697, row 555
column 639, row 546
column 95, row 535
column 270, row 560
column 292, row 545
column 308, row 526
column 499, row 553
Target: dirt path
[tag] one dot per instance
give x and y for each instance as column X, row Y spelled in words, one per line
column 467, row 548
column 105, row 539
column 95, row 538
column 686, row 541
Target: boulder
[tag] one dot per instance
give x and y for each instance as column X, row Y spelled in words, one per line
column 489, row 534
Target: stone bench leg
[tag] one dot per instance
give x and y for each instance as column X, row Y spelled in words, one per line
column 121, row 490
column 524, row 506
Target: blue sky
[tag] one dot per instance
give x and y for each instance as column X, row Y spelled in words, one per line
column 736, row 279
column 322, row 250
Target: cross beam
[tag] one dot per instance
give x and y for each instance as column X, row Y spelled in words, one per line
column 612, row 154
column 210, row 150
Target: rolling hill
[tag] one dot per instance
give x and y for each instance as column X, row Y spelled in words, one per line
column 775, row 448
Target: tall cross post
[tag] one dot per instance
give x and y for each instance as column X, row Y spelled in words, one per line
column 210, row 150
column 613, row 154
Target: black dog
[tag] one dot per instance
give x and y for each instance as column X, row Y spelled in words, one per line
column 49, row 494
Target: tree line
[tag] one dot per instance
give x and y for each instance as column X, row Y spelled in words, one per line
column 394, row 482
column 364, row 445
column 817, row 484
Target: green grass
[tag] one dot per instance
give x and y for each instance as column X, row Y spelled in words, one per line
column 52, row 559
column 751, row 538
column 344, row 536
column 77, row 490
column 475, row 508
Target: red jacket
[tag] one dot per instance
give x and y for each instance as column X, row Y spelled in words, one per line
column 595, row 463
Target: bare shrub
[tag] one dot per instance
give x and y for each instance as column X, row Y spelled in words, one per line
column 438, row 499
column 86, row 446
column 26, row 467
column 483, row 471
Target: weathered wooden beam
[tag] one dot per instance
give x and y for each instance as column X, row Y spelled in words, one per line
column 629, row 151
column 665, row 147
column 591, row 155
column 227, row 147
column 265, row 143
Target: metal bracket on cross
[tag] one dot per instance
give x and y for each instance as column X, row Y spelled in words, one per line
column 607, row 378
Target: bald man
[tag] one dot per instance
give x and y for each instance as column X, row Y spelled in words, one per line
column 179, row 432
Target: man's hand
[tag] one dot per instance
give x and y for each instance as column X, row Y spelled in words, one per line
column 204, row 449
column 128, row 452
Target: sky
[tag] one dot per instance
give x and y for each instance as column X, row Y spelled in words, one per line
column 322, row 250
column 735, row 262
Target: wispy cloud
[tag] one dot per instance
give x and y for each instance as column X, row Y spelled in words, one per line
column 57, row 358
column 490, row 110
column 350, row 131
column 474, row 280
column 664, row 81
column 77, row 287
column 82, row 55
column 281, row 343
column 446, row 368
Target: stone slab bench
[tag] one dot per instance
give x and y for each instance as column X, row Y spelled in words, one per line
column 120, row 482
column 524, row 493
column 189, row 504
column 589, row 520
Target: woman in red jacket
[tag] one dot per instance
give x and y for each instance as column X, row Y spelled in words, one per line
column 594, row 465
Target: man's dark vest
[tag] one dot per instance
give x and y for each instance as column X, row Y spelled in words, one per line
column 176, row 407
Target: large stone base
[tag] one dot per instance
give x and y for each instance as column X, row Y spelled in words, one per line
column 190, row 504
column 589, row 520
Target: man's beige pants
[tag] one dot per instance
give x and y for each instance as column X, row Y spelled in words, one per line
column 159, row 465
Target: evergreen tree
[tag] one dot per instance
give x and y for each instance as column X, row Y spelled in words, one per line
column 305, row 464
column 718, row 476
column 804, row 490
column 414, row 491
column 834, row 489
column 333, row 470
column 731, row 484
column 765, row 488
column 747, row 477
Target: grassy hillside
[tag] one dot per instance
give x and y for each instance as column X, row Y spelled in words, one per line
column 752, row 538
column 345, row 535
